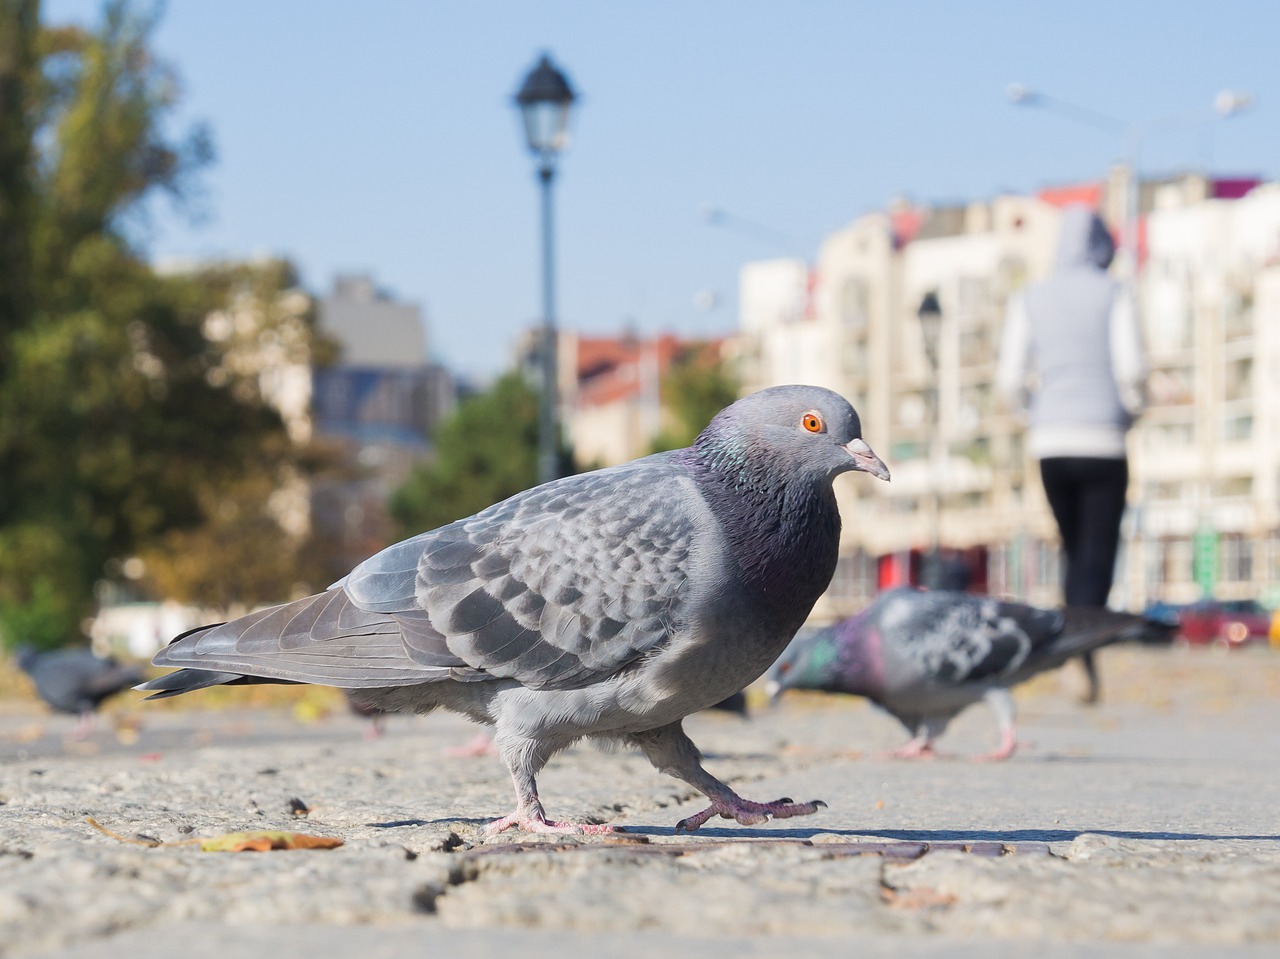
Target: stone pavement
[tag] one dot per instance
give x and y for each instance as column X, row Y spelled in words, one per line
column 1149, row 825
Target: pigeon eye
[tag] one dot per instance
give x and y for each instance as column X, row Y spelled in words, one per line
column 812, row 421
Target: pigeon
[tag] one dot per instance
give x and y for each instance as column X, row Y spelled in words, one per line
column 924, row 656
column 607, row 605
column 377, row 717
column 76, row 681
column 735, row 704
column 482, row 743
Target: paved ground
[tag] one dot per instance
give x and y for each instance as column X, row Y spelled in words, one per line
column 1147, row 826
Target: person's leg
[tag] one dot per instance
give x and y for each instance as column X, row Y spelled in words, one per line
column 1057, row 473
column 1101, row 504
column 1087, row 499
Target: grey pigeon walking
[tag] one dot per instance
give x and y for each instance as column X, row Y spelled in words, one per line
column 610, row 604
column 924, row 656
column 75, row 680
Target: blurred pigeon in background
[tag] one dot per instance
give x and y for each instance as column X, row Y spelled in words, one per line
column 76, row 681
column 610, row 604
column 377, row 717
column 923, row 656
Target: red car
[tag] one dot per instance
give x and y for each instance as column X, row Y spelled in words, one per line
column 1225, row 622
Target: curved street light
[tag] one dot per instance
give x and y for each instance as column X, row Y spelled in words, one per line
column 1226, row 104
column 545, row 100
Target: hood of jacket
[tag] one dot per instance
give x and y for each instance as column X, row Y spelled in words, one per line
column 1084, row 240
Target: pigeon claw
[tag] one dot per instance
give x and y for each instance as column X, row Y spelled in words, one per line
column 749, row 813
column 548, row 827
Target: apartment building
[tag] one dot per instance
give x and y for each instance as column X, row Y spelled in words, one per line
column 1204, row 458
column 376, row 404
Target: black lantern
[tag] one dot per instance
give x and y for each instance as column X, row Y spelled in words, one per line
column 930, row 313
column 545, row 99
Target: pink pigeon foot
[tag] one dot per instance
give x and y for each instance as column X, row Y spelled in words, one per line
column 536, row 822
column 481, row 745
column 916, row 749
column 84, row 727
column 1008, row 746
column 750, row 813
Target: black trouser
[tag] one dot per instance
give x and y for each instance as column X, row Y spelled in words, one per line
column 1086, row 495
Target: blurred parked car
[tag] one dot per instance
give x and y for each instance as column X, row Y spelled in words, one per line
column 1224, row 622
column 1162, row 623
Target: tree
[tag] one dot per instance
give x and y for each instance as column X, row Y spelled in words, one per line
column 484, row 453
column 697, row 386
column 121, row 421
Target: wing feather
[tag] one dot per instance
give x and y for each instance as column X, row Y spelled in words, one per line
column 554, row 587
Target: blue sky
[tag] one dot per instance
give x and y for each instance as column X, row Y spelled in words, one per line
column 379, row 136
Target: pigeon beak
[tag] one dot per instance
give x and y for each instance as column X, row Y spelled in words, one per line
column 865, row 459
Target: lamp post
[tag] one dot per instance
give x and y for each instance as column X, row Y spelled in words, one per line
column 545, row 99
column 930, row 314
column 1226, row 104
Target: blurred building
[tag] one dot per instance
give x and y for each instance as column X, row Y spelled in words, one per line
column 611, row 404
column 378, row 404
column 1205, row 462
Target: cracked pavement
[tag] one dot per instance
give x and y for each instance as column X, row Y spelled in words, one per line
column 1151, row 822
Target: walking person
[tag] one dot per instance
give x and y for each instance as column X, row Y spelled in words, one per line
column 1075, row 337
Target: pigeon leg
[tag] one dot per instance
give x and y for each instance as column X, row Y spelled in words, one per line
column 674, row 753
column 481, row 745
column 84, row 727
column 926, row 730
column 525, row 758
column 919, row 747
column 1001, row 703
column 1093, row 685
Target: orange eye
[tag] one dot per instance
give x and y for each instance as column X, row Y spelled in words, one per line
column 812, row 422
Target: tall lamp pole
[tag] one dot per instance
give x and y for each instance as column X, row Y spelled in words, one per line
column 930, row 314
column 545, row 99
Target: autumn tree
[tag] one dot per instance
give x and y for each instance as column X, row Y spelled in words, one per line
column 121, row 420
column 697, row 386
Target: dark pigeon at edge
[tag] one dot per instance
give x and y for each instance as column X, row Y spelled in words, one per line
column 924, row 656
column 75, row 680
column 611, row 604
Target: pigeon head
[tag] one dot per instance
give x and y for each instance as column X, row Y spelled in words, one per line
column 844, row 658
column 26, row 656
column 809, row 662
column 804, row 431
column 765, row 466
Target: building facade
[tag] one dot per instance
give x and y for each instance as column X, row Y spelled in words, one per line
column 376, row 405
column 1204, row 457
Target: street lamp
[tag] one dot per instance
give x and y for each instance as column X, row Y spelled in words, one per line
column 1226, row 104
column 545, row 99
column 718, row 216
column 929, row 313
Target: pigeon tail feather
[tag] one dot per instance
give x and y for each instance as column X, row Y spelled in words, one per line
column 189, row 680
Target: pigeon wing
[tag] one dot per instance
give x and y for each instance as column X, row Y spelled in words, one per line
column 957, row 638
column 557, row 587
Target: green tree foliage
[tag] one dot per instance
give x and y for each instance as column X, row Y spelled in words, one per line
column 484, row 453
column 697, row 386
column 120, row 419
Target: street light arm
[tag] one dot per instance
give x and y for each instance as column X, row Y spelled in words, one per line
column 1223, row 109
column 1020, row 95
column 716, row 216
